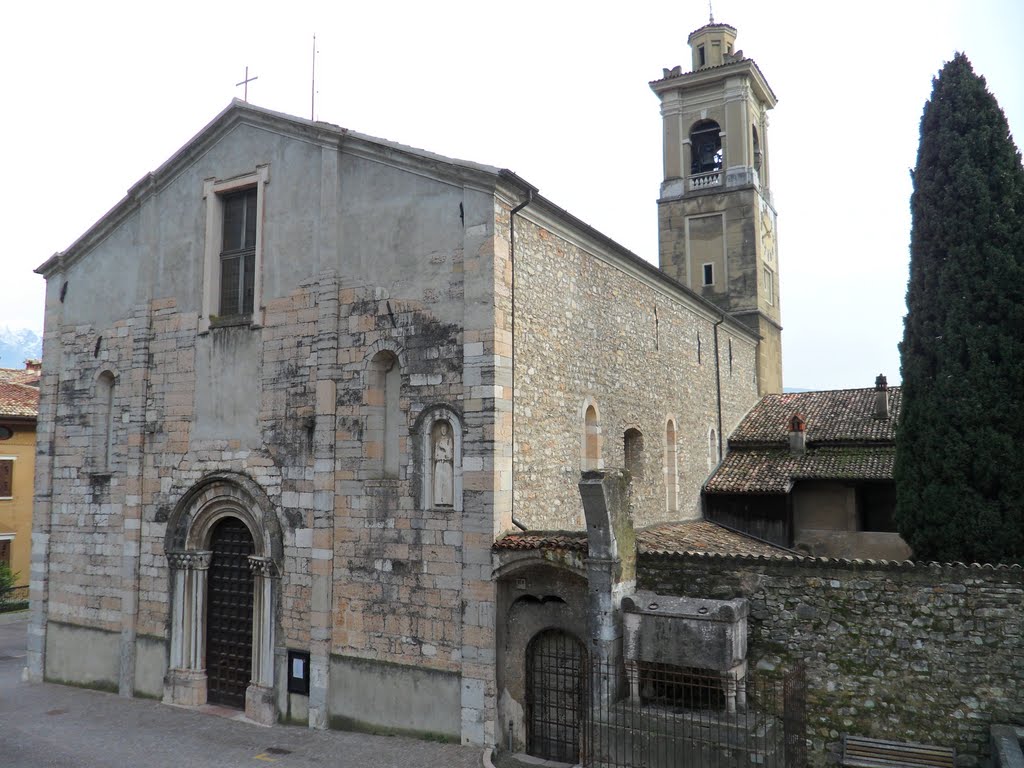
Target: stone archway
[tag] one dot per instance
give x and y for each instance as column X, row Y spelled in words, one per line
column 202, row 512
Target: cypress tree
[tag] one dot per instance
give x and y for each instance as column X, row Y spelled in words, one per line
column 960, row 439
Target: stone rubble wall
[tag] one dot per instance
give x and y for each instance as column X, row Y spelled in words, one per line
column 588, row 329
column 913, row 652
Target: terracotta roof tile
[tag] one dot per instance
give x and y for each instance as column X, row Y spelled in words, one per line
column 838, row 415
column 691, row 536
column 568, row 540
column 702, row 536
column 775, row 470
column 18, row 400
column 19, row 376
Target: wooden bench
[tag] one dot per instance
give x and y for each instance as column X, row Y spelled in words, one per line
column 861, row 752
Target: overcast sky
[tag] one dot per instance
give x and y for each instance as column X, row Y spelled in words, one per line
column 97, row 94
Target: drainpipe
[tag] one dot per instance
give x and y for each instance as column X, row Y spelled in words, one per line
column 512, row 261
column 718, row 387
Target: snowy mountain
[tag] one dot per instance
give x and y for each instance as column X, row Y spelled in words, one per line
column 18, row 345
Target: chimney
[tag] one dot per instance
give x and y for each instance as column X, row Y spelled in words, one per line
column 798, row 434
column 33, row 365
column 881, row 397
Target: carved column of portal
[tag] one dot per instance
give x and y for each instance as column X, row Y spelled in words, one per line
column 185, row 681
column 259, row 696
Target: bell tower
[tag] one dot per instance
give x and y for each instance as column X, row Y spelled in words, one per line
column 716, row 220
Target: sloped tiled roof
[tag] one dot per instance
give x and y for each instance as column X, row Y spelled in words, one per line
column 837, row 415
column 774, row 470
column 18, row 400
column 702, row 536
column 575, row 541
column 690, row 536
column 19, row 376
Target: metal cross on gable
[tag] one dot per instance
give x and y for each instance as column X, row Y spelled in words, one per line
column 246, row 82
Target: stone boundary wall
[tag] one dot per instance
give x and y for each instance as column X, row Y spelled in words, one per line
column 917, row 652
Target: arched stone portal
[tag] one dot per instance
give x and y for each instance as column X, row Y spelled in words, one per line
column 213, row 524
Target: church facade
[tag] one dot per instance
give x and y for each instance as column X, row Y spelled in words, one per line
column 299, row 381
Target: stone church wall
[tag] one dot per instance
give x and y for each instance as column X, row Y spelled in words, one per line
column 367, row 570
column 593, row 328
column 905, row 651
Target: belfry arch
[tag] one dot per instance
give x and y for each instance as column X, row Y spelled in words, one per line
column 222, row 500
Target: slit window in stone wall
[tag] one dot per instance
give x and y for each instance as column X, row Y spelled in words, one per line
column 591, row 439
column 671, row 468
column 104, row 424
column 633, row 451
column 713, row 456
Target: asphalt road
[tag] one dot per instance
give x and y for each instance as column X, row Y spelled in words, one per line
column 51, row 726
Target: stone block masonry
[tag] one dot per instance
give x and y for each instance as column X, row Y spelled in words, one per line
column 904, row 651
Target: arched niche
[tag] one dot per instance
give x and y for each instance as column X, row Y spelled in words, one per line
column 439, row 436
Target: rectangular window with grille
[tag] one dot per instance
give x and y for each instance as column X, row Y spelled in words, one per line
column 6, row 478
column 238, row 253
column 5, row 552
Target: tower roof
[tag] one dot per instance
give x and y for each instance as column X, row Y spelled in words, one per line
column 708, row 27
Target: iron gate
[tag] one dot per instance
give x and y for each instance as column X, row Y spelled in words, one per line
column 229, row 614
column 555, row 675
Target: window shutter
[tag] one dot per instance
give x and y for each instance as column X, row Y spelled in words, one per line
column 6, row 477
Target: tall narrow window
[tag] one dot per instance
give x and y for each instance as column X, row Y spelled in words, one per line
column 104, row 424
column 709, row 274
column 233, row 249
column 712, row 448
column 591, row 440
column 238, row 253
column 384, row 416
column 757, row 151
column 671, row 468
column 633, row 452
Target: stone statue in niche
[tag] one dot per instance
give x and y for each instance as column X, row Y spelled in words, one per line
column 443, row 465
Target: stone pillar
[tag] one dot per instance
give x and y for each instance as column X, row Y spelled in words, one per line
column 611, row 571
column 43, row 501
column 321, row 566
column 259, row 696
column 185, row 681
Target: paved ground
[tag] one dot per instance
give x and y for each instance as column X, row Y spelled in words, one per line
column 51, row 726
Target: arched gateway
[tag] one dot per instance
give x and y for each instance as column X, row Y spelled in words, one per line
column 223, row 546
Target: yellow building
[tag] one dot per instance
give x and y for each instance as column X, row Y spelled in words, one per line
column 19, row 405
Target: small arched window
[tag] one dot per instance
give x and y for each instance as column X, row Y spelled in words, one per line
column 591, row 439
column 383, row 413
column 633, row 451
column 104, row 423
column 705, row 147
column 712, row 448
column 671, row 468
